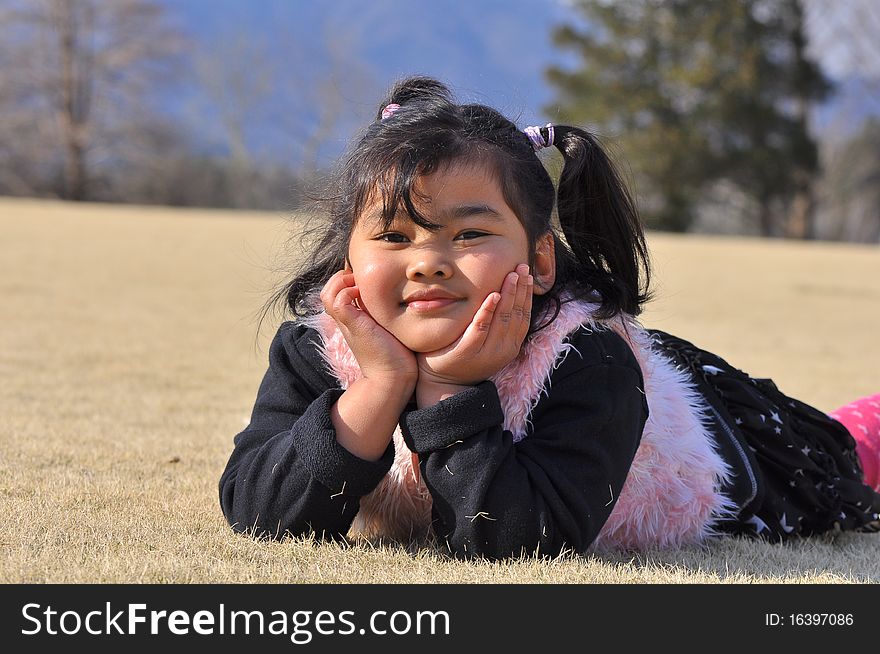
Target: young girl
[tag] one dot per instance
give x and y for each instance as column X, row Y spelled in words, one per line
column 461, row 368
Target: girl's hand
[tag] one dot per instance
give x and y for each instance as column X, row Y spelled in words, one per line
column 491, row 341
column 379, row 354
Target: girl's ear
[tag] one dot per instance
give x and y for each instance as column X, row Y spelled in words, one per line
column 544, row 268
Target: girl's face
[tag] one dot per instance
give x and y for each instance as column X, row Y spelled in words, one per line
column 425, row 286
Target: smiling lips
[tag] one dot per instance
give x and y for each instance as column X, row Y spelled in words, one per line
column 429, row 300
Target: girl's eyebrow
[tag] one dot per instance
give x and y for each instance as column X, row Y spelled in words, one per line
column 457, row 212
column 468, row 210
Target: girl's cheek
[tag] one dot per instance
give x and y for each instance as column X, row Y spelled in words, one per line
column 369, row 275
column 491, row 277
column 373, row 280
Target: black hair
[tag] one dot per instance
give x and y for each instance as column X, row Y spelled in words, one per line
column 600, row 255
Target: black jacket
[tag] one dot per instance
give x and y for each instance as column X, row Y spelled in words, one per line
column 287, row 473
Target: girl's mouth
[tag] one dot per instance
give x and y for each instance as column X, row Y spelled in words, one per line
column 426, row 300
column 429, row 305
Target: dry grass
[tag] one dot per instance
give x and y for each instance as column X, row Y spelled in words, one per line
column 128, row 362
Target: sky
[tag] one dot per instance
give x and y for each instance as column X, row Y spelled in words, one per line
column 295, row 54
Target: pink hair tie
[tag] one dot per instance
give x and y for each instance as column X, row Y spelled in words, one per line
column 389, row 110
column 534, row 134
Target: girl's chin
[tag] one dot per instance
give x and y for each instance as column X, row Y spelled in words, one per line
column 423, row 347
column 423, row 343
column 423, row 336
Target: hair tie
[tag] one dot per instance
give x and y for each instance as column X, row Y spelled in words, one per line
column 534, row 134
column 389, row 110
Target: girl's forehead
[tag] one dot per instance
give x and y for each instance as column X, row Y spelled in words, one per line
column 454, row 191
column 454, row 181
column 461, row 176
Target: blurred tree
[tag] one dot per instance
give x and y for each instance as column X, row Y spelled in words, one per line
column 274, row 108
column 77, row 80
column 236, row 76
column 852, row 186
column 698, row 92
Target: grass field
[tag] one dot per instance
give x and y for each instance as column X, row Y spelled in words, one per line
column 129, row 359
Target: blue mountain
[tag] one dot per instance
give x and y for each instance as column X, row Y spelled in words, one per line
column 494, row 51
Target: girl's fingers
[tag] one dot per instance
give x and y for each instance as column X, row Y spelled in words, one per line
column 347, row 299
column 527, row 306
column 522, row 308
column 478, row 330
column 337, row 282
column 340, row 294
column 504, row 311
column 502, row 317
column 512, row 312
column 523, row 289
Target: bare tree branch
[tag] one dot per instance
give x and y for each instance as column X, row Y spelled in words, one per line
column 80, row 73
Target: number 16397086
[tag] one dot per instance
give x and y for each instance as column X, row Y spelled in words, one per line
column 808, row 620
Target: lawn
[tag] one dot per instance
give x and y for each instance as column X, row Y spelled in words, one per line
column 130, row 357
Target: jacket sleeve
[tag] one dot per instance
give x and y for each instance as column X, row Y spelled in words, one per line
column 287, row 473
column 553, row 489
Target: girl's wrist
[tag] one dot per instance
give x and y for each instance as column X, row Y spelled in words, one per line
column 392, row 387
column 366, row 414
column 429, row 393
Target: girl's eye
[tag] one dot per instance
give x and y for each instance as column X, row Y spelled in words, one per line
column 392, row 237
column 470, row 235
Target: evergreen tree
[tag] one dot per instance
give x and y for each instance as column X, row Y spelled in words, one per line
column 698, row 92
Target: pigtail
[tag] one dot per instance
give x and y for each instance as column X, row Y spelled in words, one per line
column 601, row 224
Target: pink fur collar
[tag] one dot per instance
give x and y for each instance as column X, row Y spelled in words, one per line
column 670, row 497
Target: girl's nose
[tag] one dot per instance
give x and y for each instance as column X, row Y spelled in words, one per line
column 429, row 264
